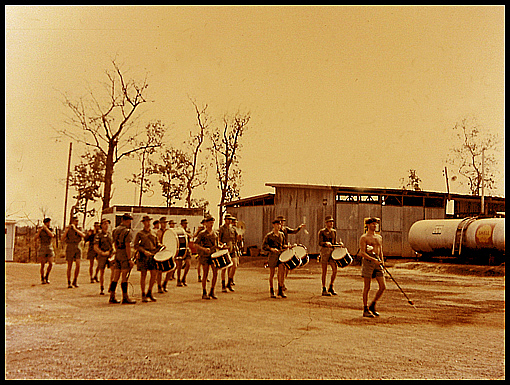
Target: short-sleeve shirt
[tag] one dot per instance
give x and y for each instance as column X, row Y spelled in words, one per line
column 208, row 240
column 104, row 241
column 122, row 236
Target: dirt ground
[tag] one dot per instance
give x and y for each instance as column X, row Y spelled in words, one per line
column 457, row 330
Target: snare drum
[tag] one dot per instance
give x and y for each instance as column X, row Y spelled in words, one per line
column 341, row 256
column 290, row 259
column 176, row 240
column 164, row 260
column 221, row 259
column 302, row 254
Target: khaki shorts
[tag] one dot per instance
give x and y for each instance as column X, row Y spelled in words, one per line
column 371, row 269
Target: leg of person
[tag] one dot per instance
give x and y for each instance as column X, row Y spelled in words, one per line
column 115, row 275
column 281, row 280
column 271, row 279
column 42, row 261
column 179, row 268
column 124, row 286
column 205, row 267
column 213, row 281
column 69, row 268
column 91, row 269
column 76, row 271
column 366, row 289
column 48, row 270
column 231, row 273
column 223, row 285
column 323, row 279
column 101, row 280
column 378, row 294
column 334, row 269
column 143, row 275
column 152, row 281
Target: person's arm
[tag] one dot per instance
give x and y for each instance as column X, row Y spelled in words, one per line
column 363, row 250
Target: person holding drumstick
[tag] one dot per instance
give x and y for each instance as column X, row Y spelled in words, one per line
column 370, row 245
column 207, row 243
column 274, row 242
column 286, row 230
column 327, row 242
column 146, row 243
column 228, row 235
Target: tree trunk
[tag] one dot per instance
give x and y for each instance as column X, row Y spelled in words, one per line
column 108, row 177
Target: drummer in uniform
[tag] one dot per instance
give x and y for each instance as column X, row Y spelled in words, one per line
column 72, row 237
column 146, row 243
column 207, row 243
column 228, row 235
column 103, row 246
column 274, row 243
column 286, row 230
column 327, row 241
column 185, row 261
column 122, row 236
column 159, row 234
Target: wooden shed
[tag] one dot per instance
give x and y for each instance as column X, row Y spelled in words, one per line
column 349, row 206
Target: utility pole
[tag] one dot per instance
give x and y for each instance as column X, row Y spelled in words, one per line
column 483, row 184
column 67, row 183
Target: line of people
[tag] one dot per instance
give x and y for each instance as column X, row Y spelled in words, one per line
column 115, row 250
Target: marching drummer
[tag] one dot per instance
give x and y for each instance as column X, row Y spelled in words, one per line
column 159, row 234
column 286, row 230
column 170, row 276
column 207, row 243
column 146, row 243
column 228, row 235
column 185, row 262
column 327, row 241
column 274, row 243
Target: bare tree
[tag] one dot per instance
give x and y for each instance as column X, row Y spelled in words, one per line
column 154, row 132
column 105, row 124
column 466, row 154
column 226, row 144
column 87, row 179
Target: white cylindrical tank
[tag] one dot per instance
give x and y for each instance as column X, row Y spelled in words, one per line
column 437, row 236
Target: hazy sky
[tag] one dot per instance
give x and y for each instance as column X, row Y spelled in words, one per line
column 351, row 96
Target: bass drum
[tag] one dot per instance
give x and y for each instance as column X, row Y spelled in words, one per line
column 341, row 256
column 302, row 253
column 290, row 259
column 164, row 260
column 176, row 241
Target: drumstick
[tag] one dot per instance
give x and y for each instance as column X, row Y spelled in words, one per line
column 304, row 222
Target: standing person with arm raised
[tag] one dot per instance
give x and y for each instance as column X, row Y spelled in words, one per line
column 72, row 237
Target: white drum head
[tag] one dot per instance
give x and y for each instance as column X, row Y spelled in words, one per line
column 339, row 253
column 300, row 251
column 171, row 241
column 219, row 253
column 163, row 255
column 287, row 255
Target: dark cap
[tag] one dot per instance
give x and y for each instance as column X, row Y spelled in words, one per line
column 146, row 218
column 372, row 220
column 126, row 217
column 209, row 219
column 329, row 218
column 276, row 221
column 281, row 218
column 105, row 220
column 162, row 220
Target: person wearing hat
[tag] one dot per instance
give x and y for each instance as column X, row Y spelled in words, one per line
column 45, row 253
column 370, row 245
column 286, row 230
column 274, row 243
column 207, row 243
column 327, row 241
column 72, row 237
column 228, row 236
column 159, row 234
column 103, row 246
column 147, row 245
column 122, row 237
column 91, row 253
column 170, row 276
column 199, row 265
column 185, row 261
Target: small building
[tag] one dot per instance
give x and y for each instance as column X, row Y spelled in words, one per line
column 10, row 237
column 350, row 206
column 193, row 215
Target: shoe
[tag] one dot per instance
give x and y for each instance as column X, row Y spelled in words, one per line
column 271, row 291
column 113, row 300
column 151, row 297
column 199, row 279
column 69, row 286
column 184, row 283
column 144, row 298
column 205, row 296
column 368, row 313
column 128, row 301
column 211, row 295
column 372, row 309
column 43, row 281
column 230, row 284
column 164, row 286
column 92, row 280
column 96, row 279
column 47, row 280
column 75, row 284
column 179, row 283
column 280, row 292
column 330, row 290
column 325, row 293
column 160, row 289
